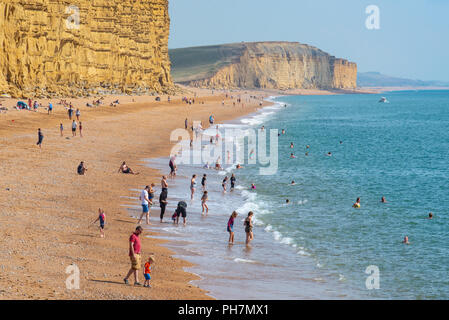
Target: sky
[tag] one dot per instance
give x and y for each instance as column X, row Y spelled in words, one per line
column 412, row 40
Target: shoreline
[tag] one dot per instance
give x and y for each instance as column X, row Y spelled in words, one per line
column 59, row 204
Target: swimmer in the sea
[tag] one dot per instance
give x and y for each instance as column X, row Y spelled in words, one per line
column 293, row 183
column 430, row 215
column 383, row 200
column 292, row 156
column 238, row 166
column 357, row 204
column 253, row 186
column 291, row 145
column 287, row 201
column 307, row 153
column 405, row 241
column 283, row 131
column 329, row 154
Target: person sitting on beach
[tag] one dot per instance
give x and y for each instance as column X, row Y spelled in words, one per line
column 81, row 168
column 102, row 218
column 125, row 169
column 357, row 204
column 231, row 227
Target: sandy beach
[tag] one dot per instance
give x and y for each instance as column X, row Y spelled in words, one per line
column 47, row 207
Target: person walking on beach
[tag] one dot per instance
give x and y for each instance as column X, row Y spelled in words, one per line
column 249, row 227
column 102, row 218
column 231, row 227
column 144, row 198
column 163, row 202
column 50, row 108
column 192, row 186
column 74, row 125
column 204, row 204
column 134, row 255
column 172, row 165
column 78, row 114
column 147, row 272
column 40, row 138
column 186, row 123
column 81, row 129
column 70, row 112
column 61, row 129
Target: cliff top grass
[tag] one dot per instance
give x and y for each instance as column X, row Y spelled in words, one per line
column 202, row 62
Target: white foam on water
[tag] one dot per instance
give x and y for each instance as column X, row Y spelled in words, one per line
column 244, row 260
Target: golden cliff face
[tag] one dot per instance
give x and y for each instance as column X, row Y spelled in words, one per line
column 281, row 65
column 118, row 46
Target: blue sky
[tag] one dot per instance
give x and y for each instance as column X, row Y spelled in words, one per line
column 412, row 42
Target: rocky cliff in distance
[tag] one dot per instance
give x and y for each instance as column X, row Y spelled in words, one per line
column 120, row 46
column 266, row 65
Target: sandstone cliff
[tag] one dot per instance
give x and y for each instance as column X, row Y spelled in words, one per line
column 270, row 65
column 120, row 46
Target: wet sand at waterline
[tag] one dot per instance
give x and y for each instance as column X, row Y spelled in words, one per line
column 47, row 207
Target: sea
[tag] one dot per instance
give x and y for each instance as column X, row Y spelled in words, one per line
column 316, row 245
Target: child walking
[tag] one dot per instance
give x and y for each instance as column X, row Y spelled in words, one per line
column 204, row 204
column 147, row 272
column 231, row 227
column 102, row 218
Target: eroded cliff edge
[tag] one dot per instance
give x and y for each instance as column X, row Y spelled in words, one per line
column 266, row 65
column 120, row 46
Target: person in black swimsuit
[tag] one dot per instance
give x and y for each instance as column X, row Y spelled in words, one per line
column 232, row 182
column 163, row 202
column 203, row 181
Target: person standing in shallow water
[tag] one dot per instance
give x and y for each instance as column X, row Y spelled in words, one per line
column 163, row 202
column 249, row 227
column 231, row 227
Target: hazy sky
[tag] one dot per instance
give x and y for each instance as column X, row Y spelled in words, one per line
column 412, row 42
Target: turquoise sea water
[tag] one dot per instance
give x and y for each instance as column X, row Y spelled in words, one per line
column 399, row 150
column 318, row 246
